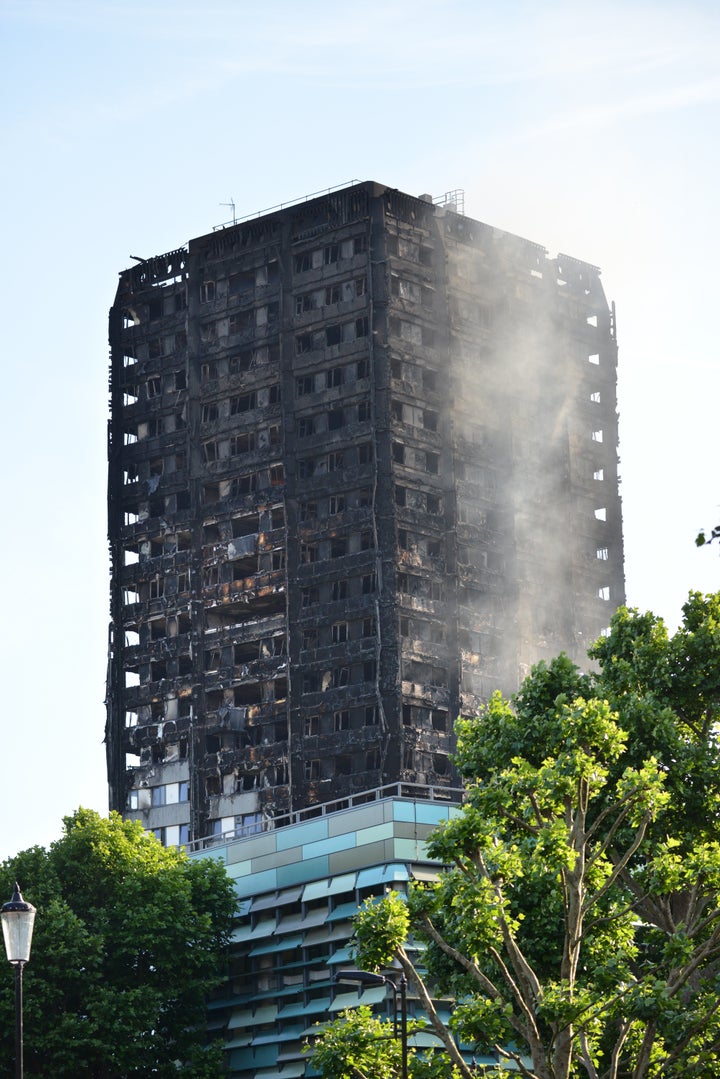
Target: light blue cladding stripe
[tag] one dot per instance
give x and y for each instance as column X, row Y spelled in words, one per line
column 431, row 812
column 257, row 882
column 375, row 834
column 319, row 889
column 344, row 882
column 239, row 869
column 299, row 834
column 404, row 811
column 329, row 846
column 218, row 853
column 382, row 874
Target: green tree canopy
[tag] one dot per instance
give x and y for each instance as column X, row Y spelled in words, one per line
column 578, row 921
column 129, row 939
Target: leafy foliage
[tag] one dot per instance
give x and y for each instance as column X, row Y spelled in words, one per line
column 359, row 1046
column 129, row 939
column 704, row 537
column 578, row 922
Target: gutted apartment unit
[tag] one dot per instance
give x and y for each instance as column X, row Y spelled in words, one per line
column 362, row 472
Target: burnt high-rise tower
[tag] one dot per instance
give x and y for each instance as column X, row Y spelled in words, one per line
column 363, row 471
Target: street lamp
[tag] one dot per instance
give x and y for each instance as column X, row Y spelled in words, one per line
column 17, row 922
column 365, row 977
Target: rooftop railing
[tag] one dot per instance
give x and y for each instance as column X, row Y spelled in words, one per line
column 407, row 791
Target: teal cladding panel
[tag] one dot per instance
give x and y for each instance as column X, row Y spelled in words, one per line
column 257, row 882
column 277, row 944
column 240, row 1019
column 410, row 850
column 236, row 1043
column 276, row 859
column 328, row 846
column 239, row 869
column 218, row 853
column 310, row 832
column 343, row 911
column 320, row 889
column 266, row 1014
column 382, row 874
column 245, row 1060
column 302, row 871
column 431, row 812
column 342, row 955
column 404, row 811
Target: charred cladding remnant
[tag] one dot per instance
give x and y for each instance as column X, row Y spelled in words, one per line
column 363, row 471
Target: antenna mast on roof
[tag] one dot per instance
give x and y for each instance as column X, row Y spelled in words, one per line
column 232, row 205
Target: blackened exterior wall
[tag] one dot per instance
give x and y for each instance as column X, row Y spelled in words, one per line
column 362, row 471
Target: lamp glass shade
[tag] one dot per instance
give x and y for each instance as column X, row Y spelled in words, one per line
column 18, row 918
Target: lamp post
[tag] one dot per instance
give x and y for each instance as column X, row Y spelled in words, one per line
column 365, row 977
column 17, row 922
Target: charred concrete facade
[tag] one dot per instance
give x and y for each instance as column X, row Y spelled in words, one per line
column 362, row 472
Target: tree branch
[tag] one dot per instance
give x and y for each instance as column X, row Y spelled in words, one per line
column 528, row 1029
column 704, row 952
column 522, row 1068
column 620, row 865
column 435, row 1021
column 691, row 1032
column 586, row 1058
column 625, row 1027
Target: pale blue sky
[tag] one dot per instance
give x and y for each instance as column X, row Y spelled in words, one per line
column 589, row 128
